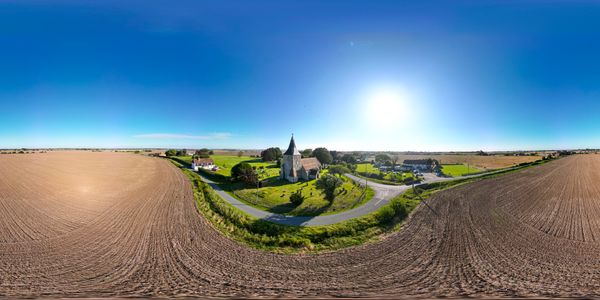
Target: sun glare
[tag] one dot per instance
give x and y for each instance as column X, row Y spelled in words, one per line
column 386, row 108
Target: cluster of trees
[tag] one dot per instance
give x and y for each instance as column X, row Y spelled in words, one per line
column 174, row 152
column 203, row 153
column 271, row 154
column 385, row 159
column 322, row 154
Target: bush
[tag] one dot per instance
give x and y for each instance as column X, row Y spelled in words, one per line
column 297, row 198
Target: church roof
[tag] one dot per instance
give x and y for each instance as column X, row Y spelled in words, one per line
column 292, row 150
column 310, row 163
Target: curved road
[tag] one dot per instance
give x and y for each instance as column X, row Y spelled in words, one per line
column 383, row 194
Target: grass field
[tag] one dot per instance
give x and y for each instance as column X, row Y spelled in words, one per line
column 276, row 198
column 366, row 168
column 459, row 170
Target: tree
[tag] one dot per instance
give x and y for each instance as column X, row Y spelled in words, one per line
column 306, row 153
column 297, row 198
column 171, row 152
column 202, row 153
column 181, row 152
column 382, row 158
column 349, row 158
column 338, row 169
column 335, row 156
column 271, row 154
column 241, row 153
column 329, row 184
column 245, row 173
column 211, row 152
column 394, row 160
column 323, row 155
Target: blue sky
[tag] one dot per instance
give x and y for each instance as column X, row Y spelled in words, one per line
column 462, row 75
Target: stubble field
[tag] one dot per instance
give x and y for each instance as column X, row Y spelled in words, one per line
column 115, row 224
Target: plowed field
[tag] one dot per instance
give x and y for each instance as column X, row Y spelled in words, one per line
column 115, row 224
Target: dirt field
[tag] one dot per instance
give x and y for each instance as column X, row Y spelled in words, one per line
column 484, row 162
column 117, row 224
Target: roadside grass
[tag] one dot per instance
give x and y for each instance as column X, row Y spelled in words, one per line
column 455, row 170
column 280, row 238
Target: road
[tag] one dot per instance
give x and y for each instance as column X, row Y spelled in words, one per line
column 383, row 194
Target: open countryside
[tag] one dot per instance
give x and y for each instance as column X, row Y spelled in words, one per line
column 313, row 149
column 161, row 191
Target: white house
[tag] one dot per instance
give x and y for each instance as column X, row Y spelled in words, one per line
column 204, row 163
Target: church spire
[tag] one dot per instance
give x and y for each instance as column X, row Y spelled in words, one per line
column 292, row 150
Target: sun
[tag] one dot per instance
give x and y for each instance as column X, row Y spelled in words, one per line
column 386, row 107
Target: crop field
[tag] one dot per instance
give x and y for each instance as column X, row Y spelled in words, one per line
column 459, row 170
column 82, row 224
column 483, row 162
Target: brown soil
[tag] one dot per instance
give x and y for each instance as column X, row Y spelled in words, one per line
column 483, row 162
column 114, row 224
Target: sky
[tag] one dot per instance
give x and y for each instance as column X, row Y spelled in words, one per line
column 346, row 75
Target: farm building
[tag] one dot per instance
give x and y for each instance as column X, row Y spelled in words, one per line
column 423, row 165
column 204, row 163
column 294, row 167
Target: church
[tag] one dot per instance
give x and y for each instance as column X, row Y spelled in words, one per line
column 294, row 167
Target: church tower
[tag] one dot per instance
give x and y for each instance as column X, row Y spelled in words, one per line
column 291, row 164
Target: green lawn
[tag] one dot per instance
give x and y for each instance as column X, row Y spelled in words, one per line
column 366, row 168
column 276, row 197
column 459, row 170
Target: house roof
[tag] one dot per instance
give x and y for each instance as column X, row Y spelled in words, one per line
column 292, row 150
column 200, row 161
column 310, row 163
column 418, row 161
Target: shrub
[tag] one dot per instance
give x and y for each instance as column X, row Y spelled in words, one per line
column 297, row 198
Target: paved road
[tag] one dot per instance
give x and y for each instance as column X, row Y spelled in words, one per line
column 383, row 194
